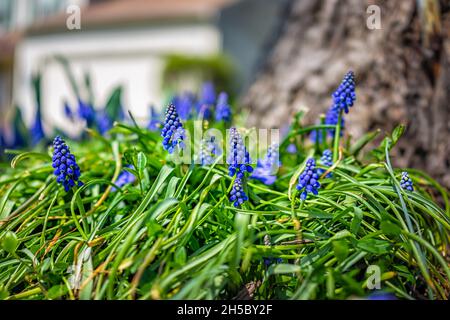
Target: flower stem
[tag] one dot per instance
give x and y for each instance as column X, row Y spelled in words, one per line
column 337, row 137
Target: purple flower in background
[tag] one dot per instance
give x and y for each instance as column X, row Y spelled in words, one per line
column 86, row 112
column 331, row 118
column 2, row 142
column 121, row 114
column 345, row 95
column 207, row 94
column 291, row 148
column 209, row 151
column 124, row 178
column 37, row 132
column 155, row 120
column 66, row 171
column 308, row 180
column 183, row 104
column 238, row 158
column 316, row 136
column 68, row 111
column 223, row 110
column 381, row 295
column 327, row 161
column 207, row 100
column 103, row 121
column 267, row 167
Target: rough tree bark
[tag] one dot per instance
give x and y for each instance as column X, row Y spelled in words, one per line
column 402, row 73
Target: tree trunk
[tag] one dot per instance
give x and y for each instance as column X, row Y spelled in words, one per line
column 402, row 73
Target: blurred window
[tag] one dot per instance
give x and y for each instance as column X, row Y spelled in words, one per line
column 5, row 15
column 44, row 8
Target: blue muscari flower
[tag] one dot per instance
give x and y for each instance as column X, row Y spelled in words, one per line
column 183, row 104
column 66, row 171
column 291, row 148
column 381, row 295
column 37, row 132
column 266, row 168
column 155, row 120
column 237, row 194
column 172, row 132
column 209, row 151
column 121, row 114
column 19, row 140
column 86, row 112
column 208, row 93
column 207, row 100
column 308, row 180
column 20, row 137
column 327, row 161
column 238, row 157
column 345, row 95
column 406, row 182
column 104, row 123
column 125, row 177
column 223, row 110
column 68, row 111
column 2, row 142
column 331, row 118
column 316, row 136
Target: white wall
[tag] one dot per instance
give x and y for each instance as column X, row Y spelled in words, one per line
column 132, row 57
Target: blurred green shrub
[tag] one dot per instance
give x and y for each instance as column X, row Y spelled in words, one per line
column 183, row 70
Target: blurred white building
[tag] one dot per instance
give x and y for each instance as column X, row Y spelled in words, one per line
column 120, row 42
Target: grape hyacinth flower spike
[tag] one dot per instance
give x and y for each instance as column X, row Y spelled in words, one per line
column 291, row 148
column 345, row 95
column 308, row 180
column 327, row 161
column 155, row 122
column 406, row 182
column 86, row 112
column 68, row 111
column 316, row 136
column 183, row 104
column 124, row 178
column 332, row 118
column 238, row 157
column 104, row 123
column 266, row 168
column 172, row 132
column 237, row 194
column 209, row 151
column 207, row 100
column 36, row 130
column 66, row 171
column 223, row 110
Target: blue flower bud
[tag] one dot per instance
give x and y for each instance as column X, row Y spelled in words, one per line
column 406, row 182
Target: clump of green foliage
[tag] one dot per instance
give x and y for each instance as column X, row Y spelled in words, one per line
column 173, row 233
column 179, row 69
